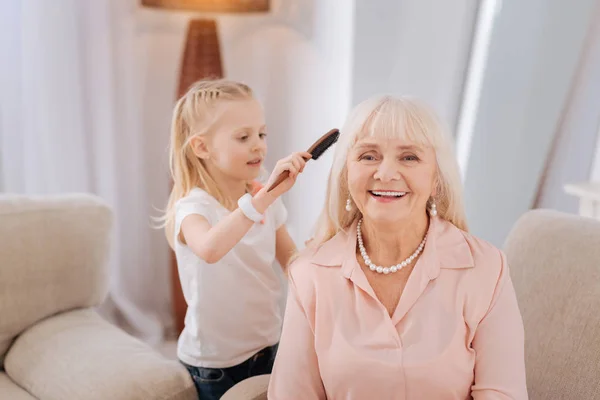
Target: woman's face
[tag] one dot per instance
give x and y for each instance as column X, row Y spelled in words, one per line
column 391, row 180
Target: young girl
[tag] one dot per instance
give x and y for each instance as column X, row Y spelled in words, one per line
column 226, row 231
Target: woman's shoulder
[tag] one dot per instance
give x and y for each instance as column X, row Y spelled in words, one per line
column 481, row 249
column 459, row 246
column 488, row 276
column 318, row 262
column 489, row 262
column 302, row 267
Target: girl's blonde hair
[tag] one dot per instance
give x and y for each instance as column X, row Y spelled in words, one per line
column 394, row 118
column 193, row 116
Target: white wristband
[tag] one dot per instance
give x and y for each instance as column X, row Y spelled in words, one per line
column 245, row 204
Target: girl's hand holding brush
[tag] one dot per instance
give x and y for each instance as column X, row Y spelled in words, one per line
column 285, row 172
column 284, row 175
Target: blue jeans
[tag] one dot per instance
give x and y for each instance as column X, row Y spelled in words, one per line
column 212, row 383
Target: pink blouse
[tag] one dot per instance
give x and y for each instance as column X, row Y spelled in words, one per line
column 456, row 333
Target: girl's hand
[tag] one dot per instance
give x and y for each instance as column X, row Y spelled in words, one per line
column 294, row 164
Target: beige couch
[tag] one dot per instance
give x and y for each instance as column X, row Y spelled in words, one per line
column 53, row 344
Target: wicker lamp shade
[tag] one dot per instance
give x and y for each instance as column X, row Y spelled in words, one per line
column 201, row 55
column 222, row 6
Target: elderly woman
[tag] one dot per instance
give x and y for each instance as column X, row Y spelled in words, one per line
column 394, row 299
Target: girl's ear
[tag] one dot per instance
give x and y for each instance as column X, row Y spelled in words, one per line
column 200, row 147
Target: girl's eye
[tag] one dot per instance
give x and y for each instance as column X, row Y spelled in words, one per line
column 243, row 138
column 262, row 135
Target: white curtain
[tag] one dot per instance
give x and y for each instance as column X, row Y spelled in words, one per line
column 70, row 122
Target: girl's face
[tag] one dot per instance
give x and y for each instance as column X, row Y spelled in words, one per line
column 236, row 146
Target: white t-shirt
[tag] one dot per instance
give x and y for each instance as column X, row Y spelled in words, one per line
column 234, row 304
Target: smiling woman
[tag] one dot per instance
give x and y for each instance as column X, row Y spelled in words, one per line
column 380, row 134
column 394, row 289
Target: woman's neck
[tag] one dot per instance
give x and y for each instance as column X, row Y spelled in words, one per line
column 391, row 243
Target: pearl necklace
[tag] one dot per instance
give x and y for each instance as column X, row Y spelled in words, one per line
column 385, row 270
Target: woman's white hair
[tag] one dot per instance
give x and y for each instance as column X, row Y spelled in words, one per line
column 392, row 118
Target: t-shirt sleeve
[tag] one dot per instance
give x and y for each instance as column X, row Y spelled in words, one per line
column 193, row 205
column 280, row 213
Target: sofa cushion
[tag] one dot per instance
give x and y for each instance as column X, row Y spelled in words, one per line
column 11, row 391
column 555, row 266
column 253, row 388
column 53, row 257
column 79, row 355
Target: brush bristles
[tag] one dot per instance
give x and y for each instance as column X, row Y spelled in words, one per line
column 324, row 145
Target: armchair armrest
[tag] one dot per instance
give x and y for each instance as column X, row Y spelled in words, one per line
column 79, row 355
column 254, row 388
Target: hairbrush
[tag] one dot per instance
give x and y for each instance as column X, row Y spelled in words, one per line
column 319, row 147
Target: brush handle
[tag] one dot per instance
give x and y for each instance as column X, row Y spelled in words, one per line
column 282, row 177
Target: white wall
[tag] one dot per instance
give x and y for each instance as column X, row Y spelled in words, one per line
column 595, row 173
column 418, row 48
column 577, row 131
column 534, row 50
column 595, row 170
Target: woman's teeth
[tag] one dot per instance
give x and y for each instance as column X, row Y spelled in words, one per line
column 387, row 194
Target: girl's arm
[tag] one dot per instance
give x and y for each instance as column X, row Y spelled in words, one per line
column 211, row 243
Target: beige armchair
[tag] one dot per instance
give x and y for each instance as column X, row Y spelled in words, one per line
column 555, row 266
column 53, row 344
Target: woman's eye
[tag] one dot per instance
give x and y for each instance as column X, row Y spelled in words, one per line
column 410, row 158
column 262, row 135
column 367, row 157
column 243, row 138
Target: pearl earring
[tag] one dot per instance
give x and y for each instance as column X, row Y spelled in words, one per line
column 348, row 205
column 432, row 209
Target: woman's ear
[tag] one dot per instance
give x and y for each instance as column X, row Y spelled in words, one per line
column 200, row 147
column 436, row 186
